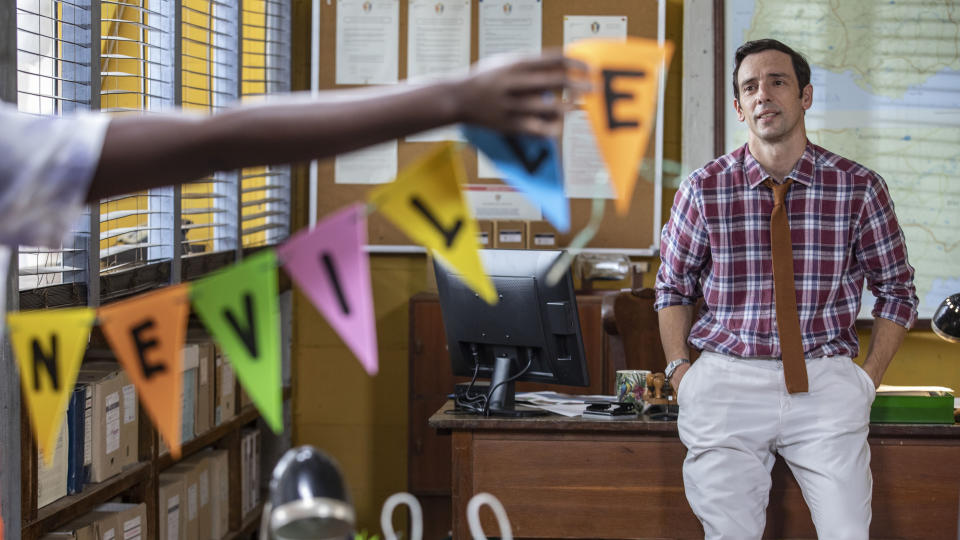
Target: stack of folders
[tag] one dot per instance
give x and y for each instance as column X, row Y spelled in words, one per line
column 913, row 405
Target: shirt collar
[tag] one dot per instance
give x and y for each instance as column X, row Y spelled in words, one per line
column 802, row 172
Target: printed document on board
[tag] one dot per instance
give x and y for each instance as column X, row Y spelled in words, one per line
column 438, row 46
column 368, row 38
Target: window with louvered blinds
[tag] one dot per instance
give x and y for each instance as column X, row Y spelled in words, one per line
column 265, row 191
column 53, row 78
column 209, row 80
column 136, row 77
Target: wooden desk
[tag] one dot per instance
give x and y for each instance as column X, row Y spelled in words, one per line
column 574, row 478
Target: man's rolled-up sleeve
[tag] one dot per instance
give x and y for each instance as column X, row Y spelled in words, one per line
column 882, row 254
column 684, row 250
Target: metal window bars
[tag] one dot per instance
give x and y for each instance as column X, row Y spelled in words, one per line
column 265, row 191
column 136, row 77
column 53, row 78
column 209, row 74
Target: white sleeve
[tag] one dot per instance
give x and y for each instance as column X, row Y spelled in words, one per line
column 46, row 165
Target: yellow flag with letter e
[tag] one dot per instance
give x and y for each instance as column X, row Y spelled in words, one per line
column 49, row 346
column 622, row 105
column 425, row 202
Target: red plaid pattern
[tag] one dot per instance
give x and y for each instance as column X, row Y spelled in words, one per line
column 844, row 231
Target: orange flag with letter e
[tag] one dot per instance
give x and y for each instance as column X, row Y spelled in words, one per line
column 49, row 346
column 147, row 334
column 622, row 104
column 426, row 203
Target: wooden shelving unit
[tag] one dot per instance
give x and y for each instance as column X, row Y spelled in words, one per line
column 139, row 482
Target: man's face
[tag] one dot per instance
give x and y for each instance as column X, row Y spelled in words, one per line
column 771, row 101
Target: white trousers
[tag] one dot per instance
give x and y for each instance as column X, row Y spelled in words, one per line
column 736, row 413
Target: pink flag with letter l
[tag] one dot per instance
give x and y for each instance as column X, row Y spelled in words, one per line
column 330, row 265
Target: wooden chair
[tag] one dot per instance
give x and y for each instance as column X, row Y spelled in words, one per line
column 634, row 331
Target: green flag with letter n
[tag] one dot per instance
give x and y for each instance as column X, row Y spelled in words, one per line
column 240, row 307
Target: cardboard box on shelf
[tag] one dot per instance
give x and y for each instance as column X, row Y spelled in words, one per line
column 217, row 464
column 52, row 480
column 249, row 470
column 190, row 509
column 542, row 235
column 485, row 233
column 204, row 418
column 191, row 365
column 225, row 389
column 86, row 527
column 201, row 471
column 172, row 507
column 510, row 235
column 130, row 520
column 115, row 422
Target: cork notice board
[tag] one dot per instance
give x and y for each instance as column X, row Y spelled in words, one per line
column 634, row 231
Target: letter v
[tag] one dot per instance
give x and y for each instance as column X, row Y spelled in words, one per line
column 532, row 165
column 448, row 235
column 249, row 333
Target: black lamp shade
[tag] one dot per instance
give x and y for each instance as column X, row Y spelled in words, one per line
column 946, row 320
column 308, row 497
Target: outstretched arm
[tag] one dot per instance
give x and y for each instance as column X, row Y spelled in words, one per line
column 509, row 95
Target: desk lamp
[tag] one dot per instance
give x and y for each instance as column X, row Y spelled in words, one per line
column 308, row 498
column 946, row 320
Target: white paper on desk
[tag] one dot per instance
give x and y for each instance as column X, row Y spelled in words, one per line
column 563, row 404
column 509, row 26
column 368, row 38
column 585, row 174
column 373, row 165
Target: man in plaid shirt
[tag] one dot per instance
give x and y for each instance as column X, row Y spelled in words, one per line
column 735, row 410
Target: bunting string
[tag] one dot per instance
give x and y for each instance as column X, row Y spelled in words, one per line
column 239, row 305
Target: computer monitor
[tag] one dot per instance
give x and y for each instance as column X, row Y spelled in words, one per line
column 531, row 334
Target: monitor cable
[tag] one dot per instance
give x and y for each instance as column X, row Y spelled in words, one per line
column 470, row 402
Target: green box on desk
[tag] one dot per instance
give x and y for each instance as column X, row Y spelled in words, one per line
column 936, row 408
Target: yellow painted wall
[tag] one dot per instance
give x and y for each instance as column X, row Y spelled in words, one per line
column 360, row 420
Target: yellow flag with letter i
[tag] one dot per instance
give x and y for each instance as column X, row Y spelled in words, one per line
column 425, row 202
column 49, row 346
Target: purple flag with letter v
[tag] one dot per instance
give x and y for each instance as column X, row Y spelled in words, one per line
column 330, row 265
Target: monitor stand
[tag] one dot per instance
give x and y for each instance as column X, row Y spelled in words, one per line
column 501, row 402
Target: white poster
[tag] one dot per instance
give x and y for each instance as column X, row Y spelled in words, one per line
column 485, row 167
column 577, row 27
column 372, row 165
column 510, row 26
column 368, row 38
column 438, row 46
column 585, row 175
column 497, row 201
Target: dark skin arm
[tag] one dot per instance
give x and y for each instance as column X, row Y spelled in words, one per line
column 505, row 94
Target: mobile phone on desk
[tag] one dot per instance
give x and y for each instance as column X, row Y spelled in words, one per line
column 610, row 408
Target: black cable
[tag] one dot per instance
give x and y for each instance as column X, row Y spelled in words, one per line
column 473, row 403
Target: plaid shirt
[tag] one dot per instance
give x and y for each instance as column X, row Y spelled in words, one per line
column 844, row 230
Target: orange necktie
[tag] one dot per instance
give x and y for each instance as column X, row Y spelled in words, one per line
column 788, row 320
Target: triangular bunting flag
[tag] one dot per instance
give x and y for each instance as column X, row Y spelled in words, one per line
column 240, row 307
column 622, row 105
column 49, row 346
column 147, row 334
column 529, row 164
column 331, row 266
column 425, row 202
